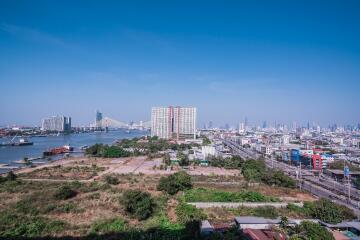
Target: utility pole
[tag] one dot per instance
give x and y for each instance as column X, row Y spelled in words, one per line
column 349, row 187
column 299, row 176
column 347, row 174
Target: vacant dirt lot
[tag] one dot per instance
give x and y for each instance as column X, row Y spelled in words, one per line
column 89, row 168
column 144, row 173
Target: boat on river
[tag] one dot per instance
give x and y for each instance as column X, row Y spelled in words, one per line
column 58, row 150
column 22, row 142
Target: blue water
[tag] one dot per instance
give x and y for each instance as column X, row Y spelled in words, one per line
column 9, row 154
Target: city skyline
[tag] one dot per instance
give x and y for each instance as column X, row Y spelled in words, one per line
column 200, row 124
column 275, row 61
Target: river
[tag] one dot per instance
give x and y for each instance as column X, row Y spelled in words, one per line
column 12, row 153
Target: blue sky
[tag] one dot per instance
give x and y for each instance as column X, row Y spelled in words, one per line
column 278, row 61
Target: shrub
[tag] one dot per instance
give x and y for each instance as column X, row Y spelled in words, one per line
column 327, row 211
column 137, row 203
column 9, row 177
column 27, row 206
column 266, row 212
column 253, row 170
column 65, row 192
column 108, row 226
column 187, row 213
column 211, row 195
column 294, row 208
column 176, row 182
column 112, row 180
column 278, row 178
column 18, row 226
column 235, row 162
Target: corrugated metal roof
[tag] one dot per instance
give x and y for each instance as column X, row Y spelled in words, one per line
column 206, row 225
column 355, row 225
column 256, row 220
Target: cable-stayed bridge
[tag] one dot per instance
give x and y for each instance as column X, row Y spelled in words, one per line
column 112, row 123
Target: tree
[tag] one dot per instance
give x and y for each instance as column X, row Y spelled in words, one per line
column 339, row 164
column 11, row 176
column 253, row 170
column 166, row 159
column 314, row 231
column 329, row 212
column 357, row 183
column 174, row 183
column 284, row 222
column 115, row 152
column 183, row 159
column 206, row 141
column 137, row 203
column 278, row 178
column 94, row 150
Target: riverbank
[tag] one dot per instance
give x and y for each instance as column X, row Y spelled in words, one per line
column 11, row 155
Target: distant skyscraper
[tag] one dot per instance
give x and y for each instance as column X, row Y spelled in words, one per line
column 210, row 125
column 98, row 119
column 264, row 124
column 57, row 123
column 173, row 122
column 241, row 127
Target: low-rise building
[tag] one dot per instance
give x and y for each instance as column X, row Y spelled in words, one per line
column 263, row 234
column 257, row 222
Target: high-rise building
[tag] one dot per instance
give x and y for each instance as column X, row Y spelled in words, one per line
column 173, row 122
column 98, row 119
column 210, row 125
column 57, row 123
column 241, row 127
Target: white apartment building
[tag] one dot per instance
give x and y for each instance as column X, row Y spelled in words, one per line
column 56, row 123
column 285, row 139
column 173, row 122
column 208, row 150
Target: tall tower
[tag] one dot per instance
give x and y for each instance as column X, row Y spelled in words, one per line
column 98, row 119
column 173, row 122
column 241, row 127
